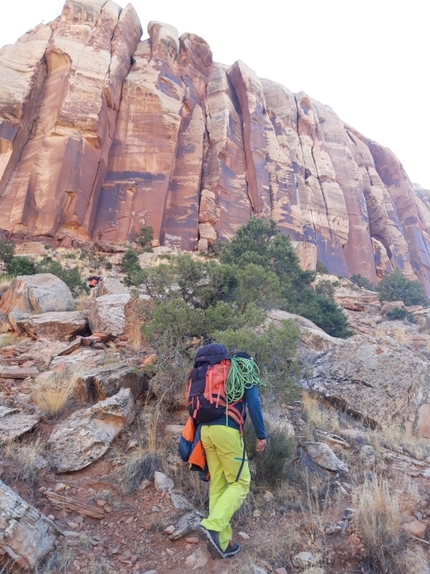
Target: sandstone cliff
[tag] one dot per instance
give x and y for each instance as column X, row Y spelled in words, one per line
column 102, row 133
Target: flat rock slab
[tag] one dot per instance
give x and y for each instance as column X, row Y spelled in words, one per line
column 26, row 535
column 102, row 382
column 18, row 373
column 87, row 434
column 377, row 380
column 55, row 326
column 13, row 423
column 70, row 348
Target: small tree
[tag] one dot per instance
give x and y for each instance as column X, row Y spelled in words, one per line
column 396, row 287
column 145, row 236
column 399, row 314
column 7, row 249
column 321, row 268
column 20, row 266
column 130, row 261
column 361, row 281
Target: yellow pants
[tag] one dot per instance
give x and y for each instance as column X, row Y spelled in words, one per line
column 224, row 451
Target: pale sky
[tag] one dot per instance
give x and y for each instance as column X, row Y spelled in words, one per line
column 366, row 59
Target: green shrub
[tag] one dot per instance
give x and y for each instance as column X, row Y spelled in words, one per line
column 20, row 266
column 7, row 250
column 321, row 268
column 325, row 313
column 325, row 288
column 70, row 256
column 145, row 235
column 396, row 287
column 363, row 282
column 130, row 264
column 399, row 314
column 271, row 464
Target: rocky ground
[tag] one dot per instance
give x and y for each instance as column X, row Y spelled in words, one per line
column 107, row 488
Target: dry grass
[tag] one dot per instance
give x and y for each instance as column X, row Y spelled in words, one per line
column 140, row 466
column 27, row 460
column 378, row 521
column 7, row 340
column 51, row 392
column 5, row 281
column 277, row 547
column 190, row 485
column 60, row 561
column 318, row 417
column 81, row 302
column 401, row 337
column 397, row 440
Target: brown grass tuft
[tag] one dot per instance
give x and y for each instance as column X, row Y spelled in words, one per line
column 51, row 392
column 7, row 340
column 378, row 521
column 5, row 281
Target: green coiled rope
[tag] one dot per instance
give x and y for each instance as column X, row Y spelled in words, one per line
column 243, row 374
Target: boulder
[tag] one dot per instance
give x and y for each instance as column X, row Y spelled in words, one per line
column 305, row 560
column 358, row 300
column 106, row 314
column 322, row 454
column 103, row 382
column 186, row 523
column 26, row 535
column 416, row 528
column 162, row 482
column 313, row 339
column 56, row 326
column 14, row 423
column 41, row 293
column 377, row 380
column 111, row 286
column 87, row 434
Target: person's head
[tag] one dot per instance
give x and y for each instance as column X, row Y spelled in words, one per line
column 243, row 355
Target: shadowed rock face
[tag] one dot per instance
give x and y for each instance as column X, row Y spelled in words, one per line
column 102, row 133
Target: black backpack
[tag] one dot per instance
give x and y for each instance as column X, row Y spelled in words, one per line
column 206, row 392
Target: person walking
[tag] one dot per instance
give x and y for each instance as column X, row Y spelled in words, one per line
column 226, row 457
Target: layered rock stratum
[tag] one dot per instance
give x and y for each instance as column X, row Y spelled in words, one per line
column 102, row 133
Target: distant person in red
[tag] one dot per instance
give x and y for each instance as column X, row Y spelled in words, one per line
column 94, row 280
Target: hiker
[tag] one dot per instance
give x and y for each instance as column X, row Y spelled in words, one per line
column 93, row 281
column 224, row 448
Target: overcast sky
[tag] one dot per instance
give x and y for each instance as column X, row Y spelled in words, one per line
column 366, row 59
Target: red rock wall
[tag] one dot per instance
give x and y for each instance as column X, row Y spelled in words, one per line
column 102, row 133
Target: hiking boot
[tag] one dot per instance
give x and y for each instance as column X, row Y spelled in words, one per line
column 212, row 540
column 231, row 550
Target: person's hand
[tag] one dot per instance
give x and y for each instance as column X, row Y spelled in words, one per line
column 260, row 445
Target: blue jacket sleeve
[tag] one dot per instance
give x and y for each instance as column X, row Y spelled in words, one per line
column 253, row 403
